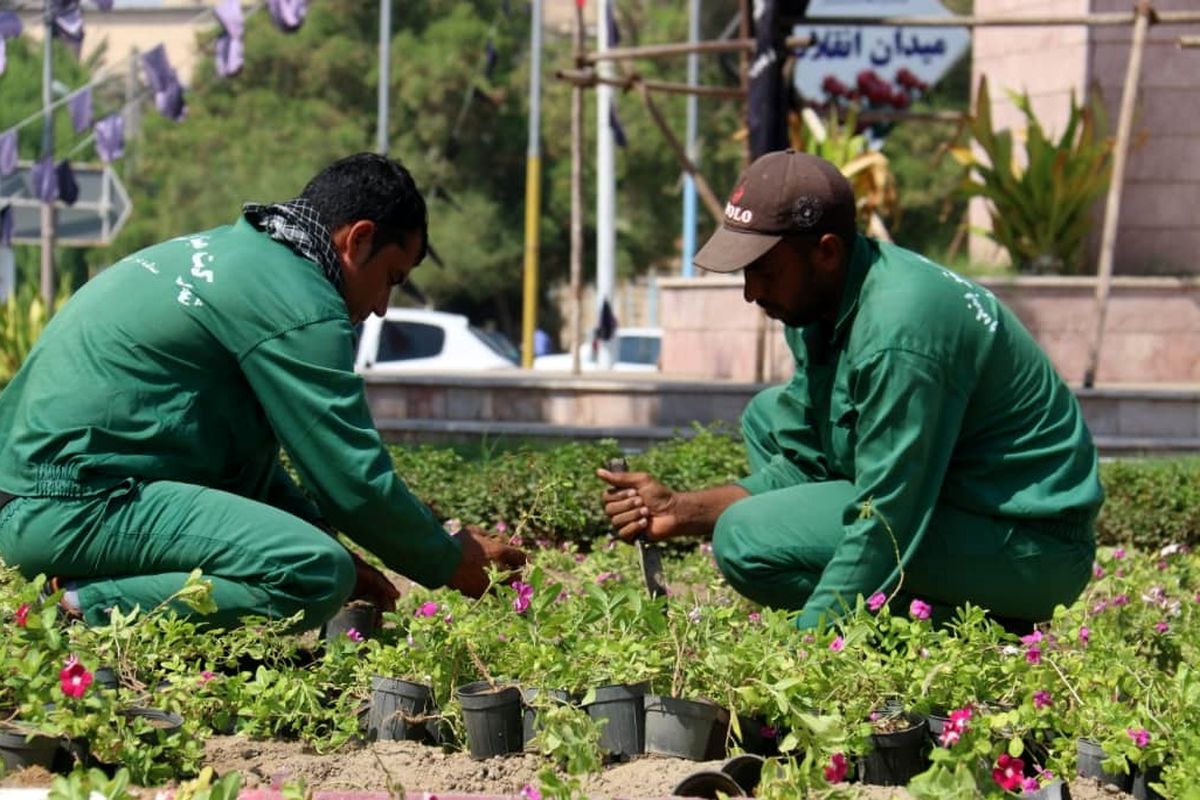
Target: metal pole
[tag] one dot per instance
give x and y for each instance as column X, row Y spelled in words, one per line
column 533, row 187
column 48, row 211
column 1112, row 206
column 606, row 206
column 385, row 75
column 689, row 183
column 576, row 201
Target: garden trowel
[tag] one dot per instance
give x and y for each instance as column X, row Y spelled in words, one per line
column 649, row 554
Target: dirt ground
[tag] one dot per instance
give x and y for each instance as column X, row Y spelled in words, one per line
column 384, row 766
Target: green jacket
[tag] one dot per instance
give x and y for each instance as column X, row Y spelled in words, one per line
column 926, row 391
column 192, row 361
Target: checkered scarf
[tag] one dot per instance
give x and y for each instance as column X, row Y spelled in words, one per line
column 298, row 225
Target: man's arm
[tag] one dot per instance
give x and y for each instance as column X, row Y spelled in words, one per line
column 284, row 494
column 637, row 504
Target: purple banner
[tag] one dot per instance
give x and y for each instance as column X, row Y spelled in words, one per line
column 8, row 153
column 10, row 25
column 68, row 23
column 168, row 92
column 230, row 47
column 68, row 187
column 288, row 15
column 110, row 138
column 45, row 180
column 81, row 110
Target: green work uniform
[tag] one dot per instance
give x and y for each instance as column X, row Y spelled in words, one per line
column 925, row 440
column 141, row 438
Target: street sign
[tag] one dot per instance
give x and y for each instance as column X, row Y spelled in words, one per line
column 895, row 54
column 101, row 210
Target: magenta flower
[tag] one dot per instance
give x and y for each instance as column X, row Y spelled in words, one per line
column 353, row 635
column 837, row 769
column 605, row 577
column 837, row 645
column 1030, row 785
column 74, row 679
column 768, row 732
column 1042, row 699
column 1197, row 598
column 1119, row 553
column 706, row 547
column 21, row 617
column 523, row 598
column 1085, row 635
column 1097, row 571
column 958, row 724
column 1161, row 627
column 206, row 676
column 516, row 540
column 876, row 601
column 1140, row 736
column 501, row 527
column 1009, row 772
column 448, row 619
column 919, row 609
column 427, row 609
column 530, row 792
column 754, row 618
column 1099, row 607
column 1120, row 600
column 1162, row 564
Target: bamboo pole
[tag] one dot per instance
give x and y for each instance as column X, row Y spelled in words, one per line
column 702, row 188
column 587, row 78
column 743, row 44
column 1186, row 42
column 576, row 333
column 1112, row 207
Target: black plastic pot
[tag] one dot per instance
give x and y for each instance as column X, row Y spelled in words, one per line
column 690, row 729
column 17, row 753
column 746, row 769
column 1089, row 756
column 706, row 784
column 895, row 758
column 753, row 738
column 531, row 699
column 162, row 723
column 622, row 705
column 1142, row 778
column 105, row 678
column 400, row 710
column 493, row 718
column 359, row 615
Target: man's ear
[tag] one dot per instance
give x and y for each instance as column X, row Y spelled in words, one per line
column 353, row 242
column 830, row 252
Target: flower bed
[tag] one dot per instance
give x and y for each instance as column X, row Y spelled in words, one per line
column 1117, row 668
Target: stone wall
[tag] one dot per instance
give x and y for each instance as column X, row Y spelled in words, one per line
column 1152, row 330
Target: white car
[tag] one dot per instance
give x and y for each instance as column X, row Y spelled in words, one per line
column 418, row 340
column 637, row 350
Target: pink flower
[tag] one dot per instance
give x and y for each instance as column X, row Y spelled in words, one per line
column 768, row 732
column 22, row 615
column 1140, row 736
column 1097, row 571
column 1030, row 785
column 206, row 676
column 1161, row 627
column 919, row 609
column 1119, row 553
column 523, row 598
column 530, row 792
column 605, row 577
column 1042, row 699
column 353, row 635
column 501, row 527
column 1008, row 772
column 876, row 601
column 754, row 618
column 1085, row 635
column 516, row 540
column 449, row 618
column 563, row 594
column 837, row 645
column 427, row 609
column 1120, row 600
column 706, row 547
column 955, row 727
column 1034, row 655
column 837, row 769
column 1162, row 564
column 1099, row 607
column 74, row 679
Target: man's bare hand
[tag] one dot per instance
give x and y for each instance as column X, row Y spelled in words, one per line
column 637, row 504
column 479, row 550
column 372, row 585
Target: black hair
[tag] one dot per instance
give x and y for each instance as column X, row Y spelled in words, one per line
column 368, row 186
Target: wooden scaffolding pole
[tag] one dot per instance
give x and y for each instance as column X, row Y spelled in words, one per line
column 702, row 188
column 576, row 330
column 1112, row 207
column 588, row 78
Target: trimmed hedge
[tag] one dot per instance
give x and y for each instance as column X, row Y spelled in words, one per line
column 554, row 494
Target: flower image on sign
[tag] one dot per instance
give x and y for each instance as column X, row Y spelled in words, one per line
column 895, row 56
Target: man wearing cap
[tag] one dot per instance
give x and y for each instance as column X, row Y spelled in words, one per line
column 925, row 447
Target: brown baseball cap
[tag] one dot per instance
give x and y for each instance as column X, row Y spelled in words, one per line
column 781, row 193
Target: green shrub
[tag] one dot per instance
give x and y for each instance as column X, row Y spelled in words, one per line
column 554, row 494
column 1150, row 503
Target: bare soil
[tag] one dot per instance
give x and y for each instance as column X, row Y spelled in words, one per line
column 384, row 766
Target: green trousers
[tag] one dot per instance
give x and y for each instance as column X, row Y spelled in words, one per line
column 772, row 547
column 136, row 545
